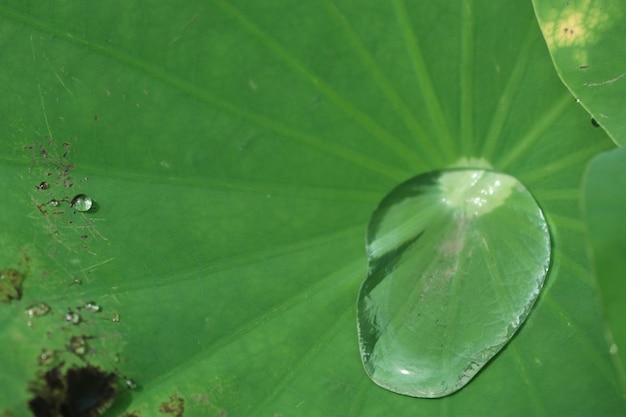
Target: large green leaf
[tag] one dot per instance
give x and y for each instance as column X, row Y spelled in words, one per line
column 586, row 41
column 236, row 151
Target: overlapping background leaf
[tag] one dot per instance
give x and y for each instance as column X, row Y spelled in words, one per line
column 584, row 40
column 236, row 151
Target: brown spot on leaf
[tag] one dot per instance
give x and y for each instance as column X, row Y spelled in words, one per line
column 175, row 406
column 11, row 281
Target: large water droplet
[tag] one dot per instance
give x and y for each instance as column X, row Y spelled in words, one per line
column 456, row 261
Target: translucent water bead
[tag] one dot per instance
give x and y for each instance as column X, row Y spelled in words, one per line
column 456, row 259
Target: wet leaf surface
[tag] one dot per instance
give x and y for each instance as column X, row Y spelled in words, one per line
column 236, row 151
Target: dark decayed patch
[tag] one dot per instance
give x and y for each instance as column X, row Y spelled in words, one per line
column 80, row 392
column 175, row 406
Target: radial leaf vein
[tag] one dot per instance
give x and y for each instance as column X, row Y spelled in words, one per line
column 513, row 86
column 300, row 191
column 424, row 80
column 579, row 271
column 571, row 223
column 497, row 281
column 363, row 119
column 359, row 399
column 387, row 87
column 542, row 125
column 295, row 369
column 328, row 146
column 227, row 263
column 467, row 76
column 534, row 395
column 576, row 159
column 584, row 341
column 337, row 280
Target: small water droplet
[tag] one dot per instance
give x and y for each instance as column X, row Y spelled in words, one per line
column 131, row 384
column 456, row 259
column 44, row 186
column 594, row 122
column 93, row 307
column 38, row 310
column 81, row 202
column 116, row 317
column 72, row 317
column 77, row 345
column 46, row 357
column 53, row 203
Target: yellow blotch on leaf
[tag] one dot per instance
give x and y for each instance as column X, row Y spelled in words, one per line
column 578, row 25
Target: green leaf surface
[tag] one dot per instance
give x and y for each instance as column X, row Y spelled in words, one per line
column 235, row 151
column 586, row 41
column 605, row 208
